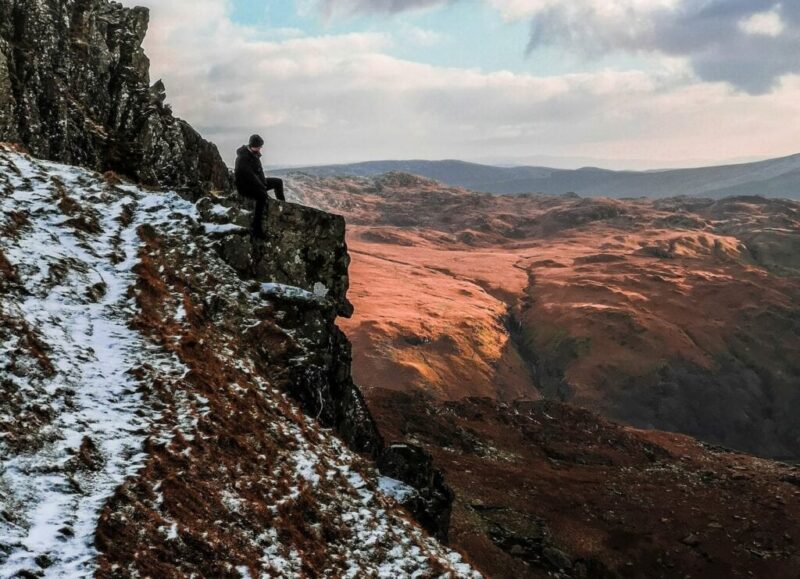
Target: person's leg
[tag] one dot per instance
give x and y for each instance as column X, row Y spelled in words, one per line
column 277, row 185
column 258, row 216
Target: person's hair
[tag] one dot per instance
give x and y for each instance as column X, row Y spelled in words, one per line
column 256, row 141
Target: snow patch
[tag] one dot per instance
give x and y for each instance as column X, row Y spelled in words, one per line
column 289, row 292
column 396, row 489
column 91, row 394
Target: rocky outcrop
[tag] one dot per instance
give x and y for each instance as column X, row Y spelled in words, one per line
column 75, row 88
column 432, row 504
column 301, row 268
column 304, row 247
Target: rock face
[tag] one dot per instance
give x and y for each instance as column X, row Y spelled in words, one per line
column 414, row 466
column 302, row 268
column 75, row 87
column 304, row 248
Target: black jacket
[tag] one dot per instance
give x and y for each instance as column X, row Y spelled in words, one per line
column 249, row 174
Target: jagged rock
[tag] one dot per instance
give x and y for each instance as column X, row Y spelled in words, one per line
column 75, row 87
column 304, row 247
column 158, row 92
column 303, row 261
column 414, row 466
column 556, row 558
column 691, row 540
column 319, row 377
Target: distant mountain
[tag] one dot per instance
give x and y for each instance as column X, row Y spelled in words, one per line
column 770, row 178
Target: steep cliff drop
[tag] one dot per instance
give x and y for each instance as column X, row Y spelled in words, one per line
column 154, row 363
column 145, row 428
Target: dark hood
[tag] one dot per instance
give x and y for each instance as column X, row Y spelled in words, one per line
column 244, row 150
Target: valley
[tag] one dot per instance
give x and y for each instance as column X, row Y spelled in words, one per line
column 496, row 331
column 677, row 314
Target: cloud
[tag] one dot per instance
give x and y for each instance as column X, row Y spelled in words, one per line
column 331, row 8
column 341, row 98
column 763, row 23
column 748, row 43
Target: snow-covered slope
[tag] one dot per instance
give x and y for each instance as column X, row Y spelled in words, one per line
column 129, row 354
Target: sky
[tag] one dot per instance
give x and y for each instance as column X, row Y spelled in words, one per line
column 639, row 84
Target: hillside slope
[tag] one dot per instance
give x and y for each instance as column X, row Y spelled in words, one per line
column 149, row 422
column 545, row 489
column 678, row 314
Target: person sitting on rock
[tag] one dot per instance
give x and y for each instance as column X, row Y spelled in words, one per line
column 253, row 184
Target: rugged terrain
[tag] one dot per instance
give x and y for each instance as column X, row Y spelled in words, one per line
column 545, row 489
column 677, row 314
column 151, row 396
column 477, row 316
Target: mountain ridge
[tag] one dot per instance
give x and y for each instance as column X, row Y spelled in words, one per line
column 779, row 177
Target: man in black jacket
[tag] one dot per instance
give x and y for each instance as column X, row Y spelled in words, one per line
column 252, row 183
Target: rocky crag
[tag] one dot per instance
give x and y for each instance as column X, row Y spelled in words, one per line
column 75, row 87
column 305, row 249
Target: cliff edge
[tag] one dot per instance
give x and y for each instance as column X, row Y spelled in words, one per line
column 155, row 361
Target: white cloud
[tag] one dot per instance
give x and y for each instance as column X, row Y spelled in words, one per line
column 616, row 12
column 763, row 23
column 749, row 43
column 343, row 98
